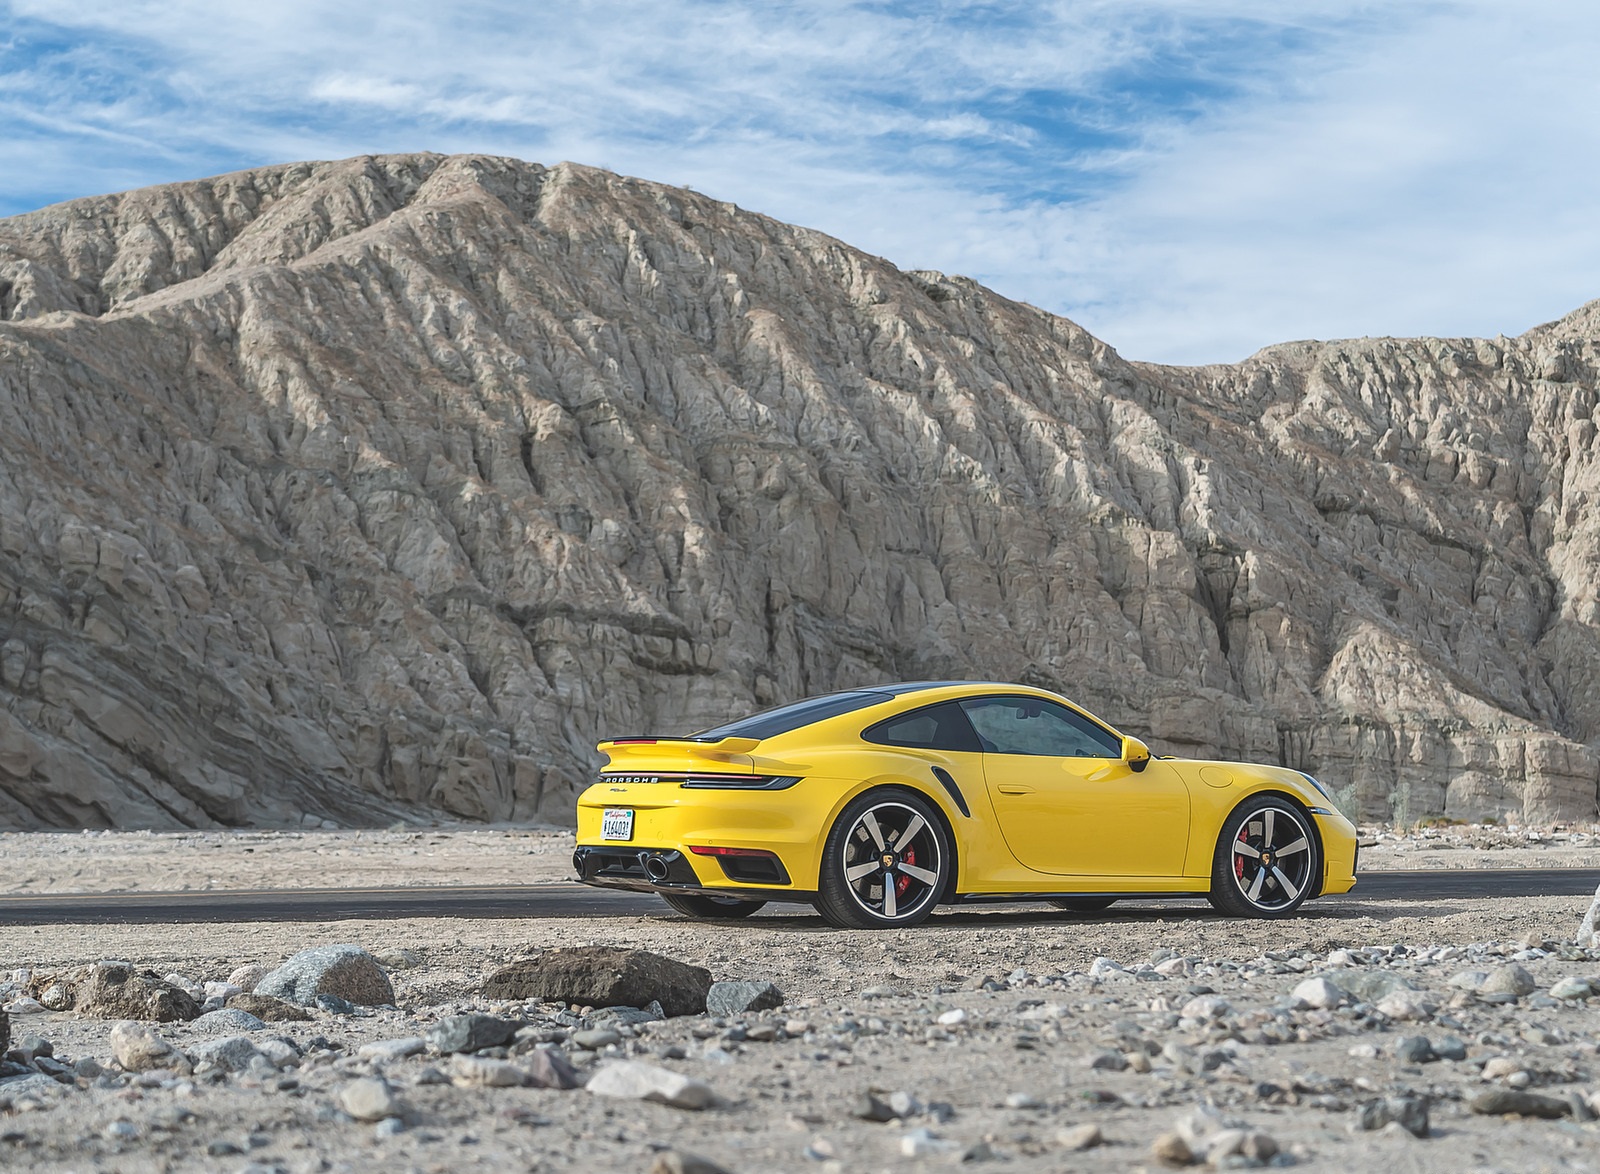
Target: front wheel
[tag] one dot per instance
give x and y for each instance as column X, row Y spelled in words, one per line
column 711, row 908
column 885, row 864
column 1266, row 860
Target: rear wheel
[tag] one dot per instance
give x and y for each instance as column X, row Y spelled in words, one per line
column 1266, row 860
column 711, row 908
column 1083, row 904
column 885, row 864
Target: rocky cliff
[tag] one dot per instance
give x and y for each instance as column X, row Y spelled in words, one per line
column 347, row 490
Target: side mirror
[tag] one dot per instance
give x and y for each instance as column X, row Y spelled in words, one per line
column 1135, row 753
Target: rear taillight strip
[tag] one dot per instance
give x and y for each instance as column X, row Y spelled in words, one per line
column 710, row 782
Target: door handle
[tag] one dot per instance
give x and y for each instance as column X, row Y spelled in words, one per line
column 1015, row 789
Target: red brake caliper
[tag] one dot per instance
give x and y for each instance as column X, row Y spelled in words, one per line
column 903, row 883
column 1238, row 860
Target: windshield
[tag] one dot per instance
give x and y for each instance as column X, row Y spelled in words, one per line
column 770, row 723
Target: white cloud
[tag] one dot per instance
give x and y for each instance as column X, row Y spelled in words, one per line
column 1271, row 171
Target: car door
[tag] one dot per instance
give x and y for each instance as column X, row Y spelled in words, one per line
column 1066, row 801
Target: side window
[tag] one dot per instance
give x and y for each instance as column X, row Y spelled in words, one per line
column 1032, row 725
column 934, row 727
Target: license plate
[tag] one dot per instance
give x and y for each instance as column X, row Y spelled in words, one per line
column 616, row 824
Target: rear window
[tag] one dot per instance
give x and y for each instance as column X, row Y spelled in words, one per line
column 770, row 723
column 935, row 727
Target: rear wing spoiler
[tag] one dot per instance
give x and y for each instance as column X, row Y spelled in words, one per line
column 674, row 754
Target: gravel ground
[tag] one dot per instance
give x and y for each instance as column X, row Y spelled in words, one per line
column 1005, row 1027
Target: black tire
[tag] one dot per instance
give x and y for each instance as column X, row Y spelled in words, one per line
column 1083, row 904
column 711, row 908
column 900, row 836
column 1267, row 860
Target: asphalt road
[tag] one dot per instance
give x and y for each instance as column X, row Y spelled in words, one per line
column 574, row 900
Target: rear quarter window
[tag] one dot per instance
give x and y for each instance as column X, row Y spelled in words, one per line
column 933, row 727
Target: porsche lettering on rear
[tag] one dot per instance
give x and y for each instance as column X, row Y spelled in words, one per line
column 880, row 804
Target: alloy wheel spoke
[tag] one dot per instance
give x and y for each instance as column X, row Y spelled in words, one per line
column 1288, row 886
column 1266, row 836
column 870, row 822
column 888, row 897
column 1255, row 885
column 856, row 871
column 916, row 825
column 926, row 875
column 1299, row 845
column 1241, row 848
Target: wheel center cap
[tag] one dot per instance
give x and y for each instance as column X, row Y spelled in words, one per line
column 888, row 860
column 1266, row 858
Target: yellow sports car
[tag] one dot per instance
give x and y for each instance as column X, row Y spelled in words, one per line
column 878, row 804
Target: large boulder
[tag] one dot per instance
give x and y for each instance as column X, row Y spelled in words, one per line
column 345, row 971
column 604, row 976
column 117, row 990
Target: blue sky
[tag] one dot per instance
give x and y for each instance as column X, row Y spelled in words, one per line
column 1189, row 180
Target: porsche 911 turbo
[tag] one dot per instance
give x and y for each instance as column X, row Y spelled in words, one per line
column 877, row 805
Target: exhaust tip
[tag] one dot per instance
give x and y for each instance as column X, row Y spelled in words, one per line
column 655, row 868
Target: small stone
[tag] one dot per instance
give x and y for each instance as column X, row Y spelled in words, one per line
column 1496, row 1102
column 138, row 1048
column 477, row 1072
column 593, row 1041
column 904, row 1104
column 636, row 1080
column 246, row 977
column 332, row 1004
column 1410, row 1113
column 1171, row 1150
column 737, row 998
column 229, row 1019
column 389, row 1127
column 1450, row 1048
column 1372, row 986
column 1408, row 1005
column 472, row 1033
column 121, row 1131
column 25, row 1006
column 1175, row 968
column 398, row 959
column 268, row 1009
column 56, row 997
column 1571, row 988
column 1414, row 1049
column 1080, row 1137
column 1107, row 1061
column 369, row 1099
column 1319, row 992
column 1023, row 1100
column 869, row 1108
column 222, row 1149
column 952, row 1018
column 344, row 971
column 795, row 1028
column 1510, row 979
column 550, row 1068
column 924, row 1143
column 232, row 1053
column 1204, row 1007
column 676, row 1162
column 1499, row 1067
column 393, row 1049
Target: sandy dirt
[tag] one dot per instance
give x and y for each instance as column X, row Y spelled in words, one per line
column 863, row 1012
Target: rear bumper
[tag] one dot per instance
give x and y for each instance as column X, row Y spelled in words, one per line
column 662, row 870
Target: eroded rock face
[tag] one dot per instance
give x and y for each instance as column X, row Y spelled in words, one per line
column 345, row 490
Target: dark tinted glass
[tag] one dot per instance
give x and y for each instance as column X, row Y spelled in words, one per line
column 771, row 722
column 1031, row 725
column 936, row 727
